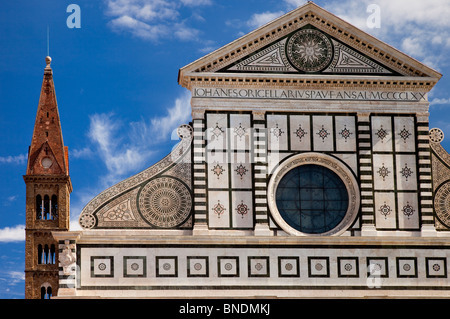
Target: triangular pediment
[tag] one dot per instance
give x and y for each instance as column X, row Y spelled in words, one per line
column 44, row 162
column 308, row 51
column 308, row 42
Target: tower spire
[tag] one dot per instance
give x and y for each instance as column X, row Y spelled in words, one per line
column 47, row 153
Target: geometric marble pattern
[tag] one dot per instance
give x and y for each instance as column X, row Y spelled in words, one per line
column 198, row 266
column 348, row 267
column 337, row 265
column 318, row 267
column 377, row 267
column 436, row 267
column 395, row 173
column 102, row 266
column 228, row 266
column 347, row 60
column 288, row 267
column 258, row 266
column 406, row 267
column 166, row 266
column 381, row 133
column 134, row 266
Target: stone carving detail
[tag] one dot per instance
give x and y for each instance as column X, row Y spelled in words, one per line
column 436, row 135
column 381, row 133
column 441, row 172
column 345, row 133
column 408, row 210
column 406, row 172
column 241, row 170
column 385, row 210
column 323, row 133
column 441, row 181
column 404, row 134
column 240, row 131
column 442, row 204
column 276, row 131
column 117, row 207
column 218, row 170
column 300, row 132
column 67, row 259
column 383, row 172
column 309, row 50
column 165, row 202
column 272, row 59
column 120, row 212
column 242, row 209
column 217, row 131
column 346, row 60
column 219, row 209
column 87, row 221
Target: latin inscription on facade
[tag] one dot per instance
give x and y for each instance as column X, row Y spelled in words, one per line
column 282, row 94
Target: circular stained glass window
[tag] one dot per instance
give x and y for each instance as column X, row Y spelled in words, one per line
column 312, row 199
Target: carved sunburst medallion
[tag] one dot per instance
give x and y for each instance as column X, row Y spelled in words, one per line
column 309, row 50
column 165, row 202
column 442, row 204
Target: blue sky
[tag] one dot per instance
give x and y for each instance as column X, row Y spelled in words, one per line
column 116, row 83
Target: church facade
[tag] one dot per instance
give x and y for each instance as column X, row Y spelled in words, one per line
column 309, row 170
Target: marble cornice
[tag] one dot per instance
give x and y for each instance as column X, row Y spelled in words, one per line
column 322, row 82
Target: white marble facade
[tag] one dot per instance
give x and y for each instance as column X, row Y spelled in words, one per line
column 395, row 172
column 259, row 112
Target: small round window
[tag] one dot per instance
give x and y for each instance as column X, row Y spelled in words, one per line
column 313, row 194
column 46, row 162
column 312, row 199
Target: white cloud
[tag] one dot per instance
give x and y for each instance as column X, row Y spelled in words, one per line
column 11, row 278
column 12, row 234
column 185, row 33
column 440, row 101
column 138, row 28
column 85, row 152
column 178, row 114
column 10, row 200
column 120, row 158
column 292, row 4
column 125, row 148
column 17, row 159
column 207, row 49
column 153, row 19
column 260, row 19
column 159, row 128
column 196, row 2
column 147, row 10
column 418, row 28
column 16, row 276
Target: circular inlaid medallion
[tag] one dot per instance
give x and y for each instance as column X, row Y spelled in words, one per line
column 436, row 135
column 309, row 50
column 442, row 204
column 165, row 202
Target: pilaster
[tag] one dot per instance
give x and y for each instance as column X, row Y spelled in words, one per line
column 425, row 175
column 366, row 175
column 260, row 174
column 199, row 182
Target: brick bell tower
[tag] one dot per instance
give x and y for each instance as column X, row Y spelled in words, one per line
column 48, row 189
